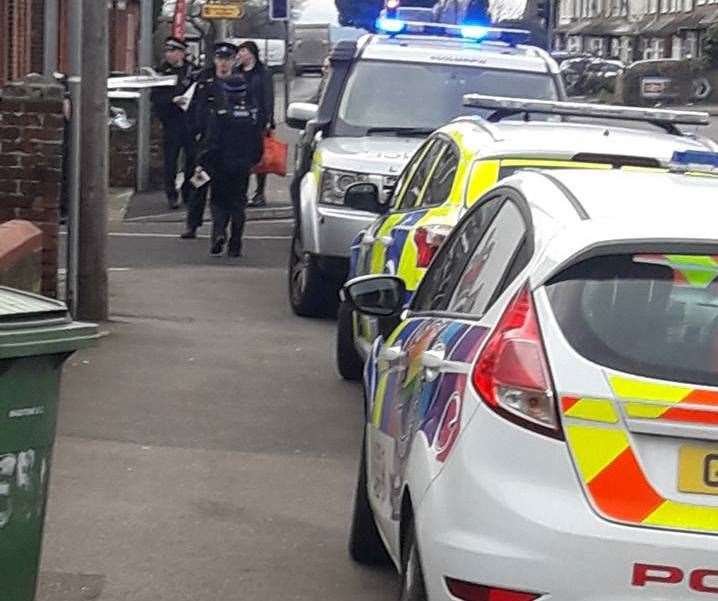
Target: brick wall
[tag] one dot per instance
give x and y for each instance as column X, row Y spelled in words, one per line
column 123, row 152
column 31, row 128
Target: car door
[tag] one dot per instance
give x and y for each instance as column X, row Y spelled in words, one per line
column 417, row 237
column 424, row 364
column 371, row 245
column 389, row 240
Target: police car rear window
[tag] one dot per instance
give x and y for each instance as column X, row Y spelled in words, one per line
column 654, row 315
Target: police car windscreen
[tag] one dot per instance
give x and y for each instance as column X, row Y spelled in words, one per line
column 654, row 315
column 398, row 95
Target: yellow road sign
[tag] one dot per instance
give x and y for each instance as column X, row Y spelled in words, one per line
column 223, row 11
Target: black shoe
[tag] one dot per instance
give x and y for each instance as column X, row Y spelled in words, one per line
column 189, row 234
column 234, row 252
column 217, row 247
column 173, row 203
column 258, row 200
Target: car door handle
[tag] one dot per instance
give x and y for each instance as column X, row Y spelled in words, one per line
column 385, row 240
column 392, row 355
column 435, row 363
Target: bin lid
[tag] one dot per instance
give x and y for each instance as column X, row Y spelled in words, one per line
column 36, row 325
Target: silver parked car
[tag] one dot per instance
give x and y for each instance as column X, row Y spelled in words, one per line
column 384, row 96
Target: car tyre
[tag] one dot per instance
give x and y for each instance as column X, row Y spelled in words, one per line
column 349, row 361
column 412, row 576
column 307, row 286
column 365, row 544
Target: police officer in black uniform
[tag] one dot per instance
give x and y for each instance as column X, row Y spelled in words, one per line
column 175, row 126
column 201, row 106
column 231, row 146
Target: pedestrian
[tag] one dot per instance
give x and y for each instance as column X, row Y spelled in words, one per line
column 261, row 83
column 200, row 108
column 175, row 129
column 231, row 147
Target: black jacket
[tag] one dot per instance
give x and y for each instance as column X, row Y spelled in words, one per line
column 261, row 85
column 203, row 102
column 228, row 143
column 166, row 110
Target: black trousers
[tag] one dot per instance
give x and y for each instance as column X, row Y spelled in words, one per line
column 229, row 204
column 176, row 137
column 261, row 183
column 196, row 201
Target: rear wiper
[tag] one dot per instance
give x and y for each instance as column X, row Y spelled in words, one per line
column 401, row 131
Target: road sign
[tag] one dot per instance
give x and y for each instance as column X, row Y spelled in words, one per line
column 279, row 10
column 223, row 11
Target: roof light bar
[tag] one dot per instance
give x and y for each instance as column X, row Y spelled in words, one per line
column 505, row 107
column 475, row 32
column 694, row 161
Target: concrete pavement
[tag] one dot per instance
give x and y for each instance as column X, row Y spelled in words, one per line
column 207, row 450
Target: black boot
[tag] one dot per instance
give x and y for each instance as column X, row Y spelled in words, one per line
column 217, row 247
column 189, row 234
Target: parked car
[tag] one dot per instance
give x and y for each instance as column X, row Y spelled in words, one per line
column 589, row 75
column 384, row 96
column 542, row 423
column 460, row 161
column 310, row 46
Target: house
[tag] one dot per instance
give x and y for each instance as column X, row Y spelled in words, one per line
column 632, row 30
column 21, row 36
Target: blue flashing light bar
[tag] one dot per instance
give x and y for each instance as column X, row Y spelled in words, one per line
column 389, row 25
column 695, row 158
column 474, row 32
column 471, row 32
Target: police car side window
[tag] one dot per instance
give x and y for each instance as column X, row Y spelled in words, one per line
column 485, row 273
column 400, row 186
column 442, row 179
column 418, row 179
column 446, row 269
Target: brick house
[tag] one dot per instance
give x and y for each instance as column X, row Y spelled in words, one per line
column 21, row 36
column 635, row 29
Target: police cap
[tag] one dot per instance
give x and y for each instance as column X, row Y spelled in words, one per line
column 174, row 43
column 225, row 49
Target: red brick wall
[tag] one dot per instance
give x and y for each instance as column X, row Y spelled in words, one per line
column 31, row 128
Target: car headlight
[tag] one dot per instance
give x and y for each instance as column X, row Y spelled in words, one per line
column 335, row 184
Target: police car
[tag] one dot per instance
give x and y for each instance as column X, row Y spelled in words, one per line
column 386, row 93
column 460, row 161
column 543, row 422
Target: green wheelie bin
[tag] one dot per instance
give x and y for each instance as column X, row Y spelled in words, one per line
column 37, row 335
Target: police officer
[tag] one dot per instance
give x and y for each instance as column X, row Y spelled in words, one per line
column 175, row 129
column 201, row 106
column 231, row 146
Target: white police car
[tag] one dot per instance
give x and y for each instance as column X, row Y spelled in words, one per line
column 543, row 422
column 386, row 93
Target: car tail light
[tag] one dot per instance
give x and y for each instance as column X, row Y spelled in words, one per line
column 511, row 373
column 428, row 239
column 468, row 591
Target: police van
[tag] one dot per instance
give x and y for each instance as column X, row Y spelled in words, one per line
column 385, row 94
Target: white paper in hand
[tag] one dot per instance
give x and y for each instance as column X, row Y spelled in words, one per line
column 185, row 99
column 200, row 178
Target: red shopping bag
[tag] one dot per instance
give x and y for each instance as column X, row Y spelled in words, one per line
column 274, row 157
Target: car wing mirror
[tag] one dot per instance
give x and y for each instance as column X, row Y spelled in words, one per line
column 300, row 113
column 376, row 295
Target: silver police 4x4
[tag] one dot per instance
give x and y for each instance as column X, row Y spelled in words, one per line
column 385, row 94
